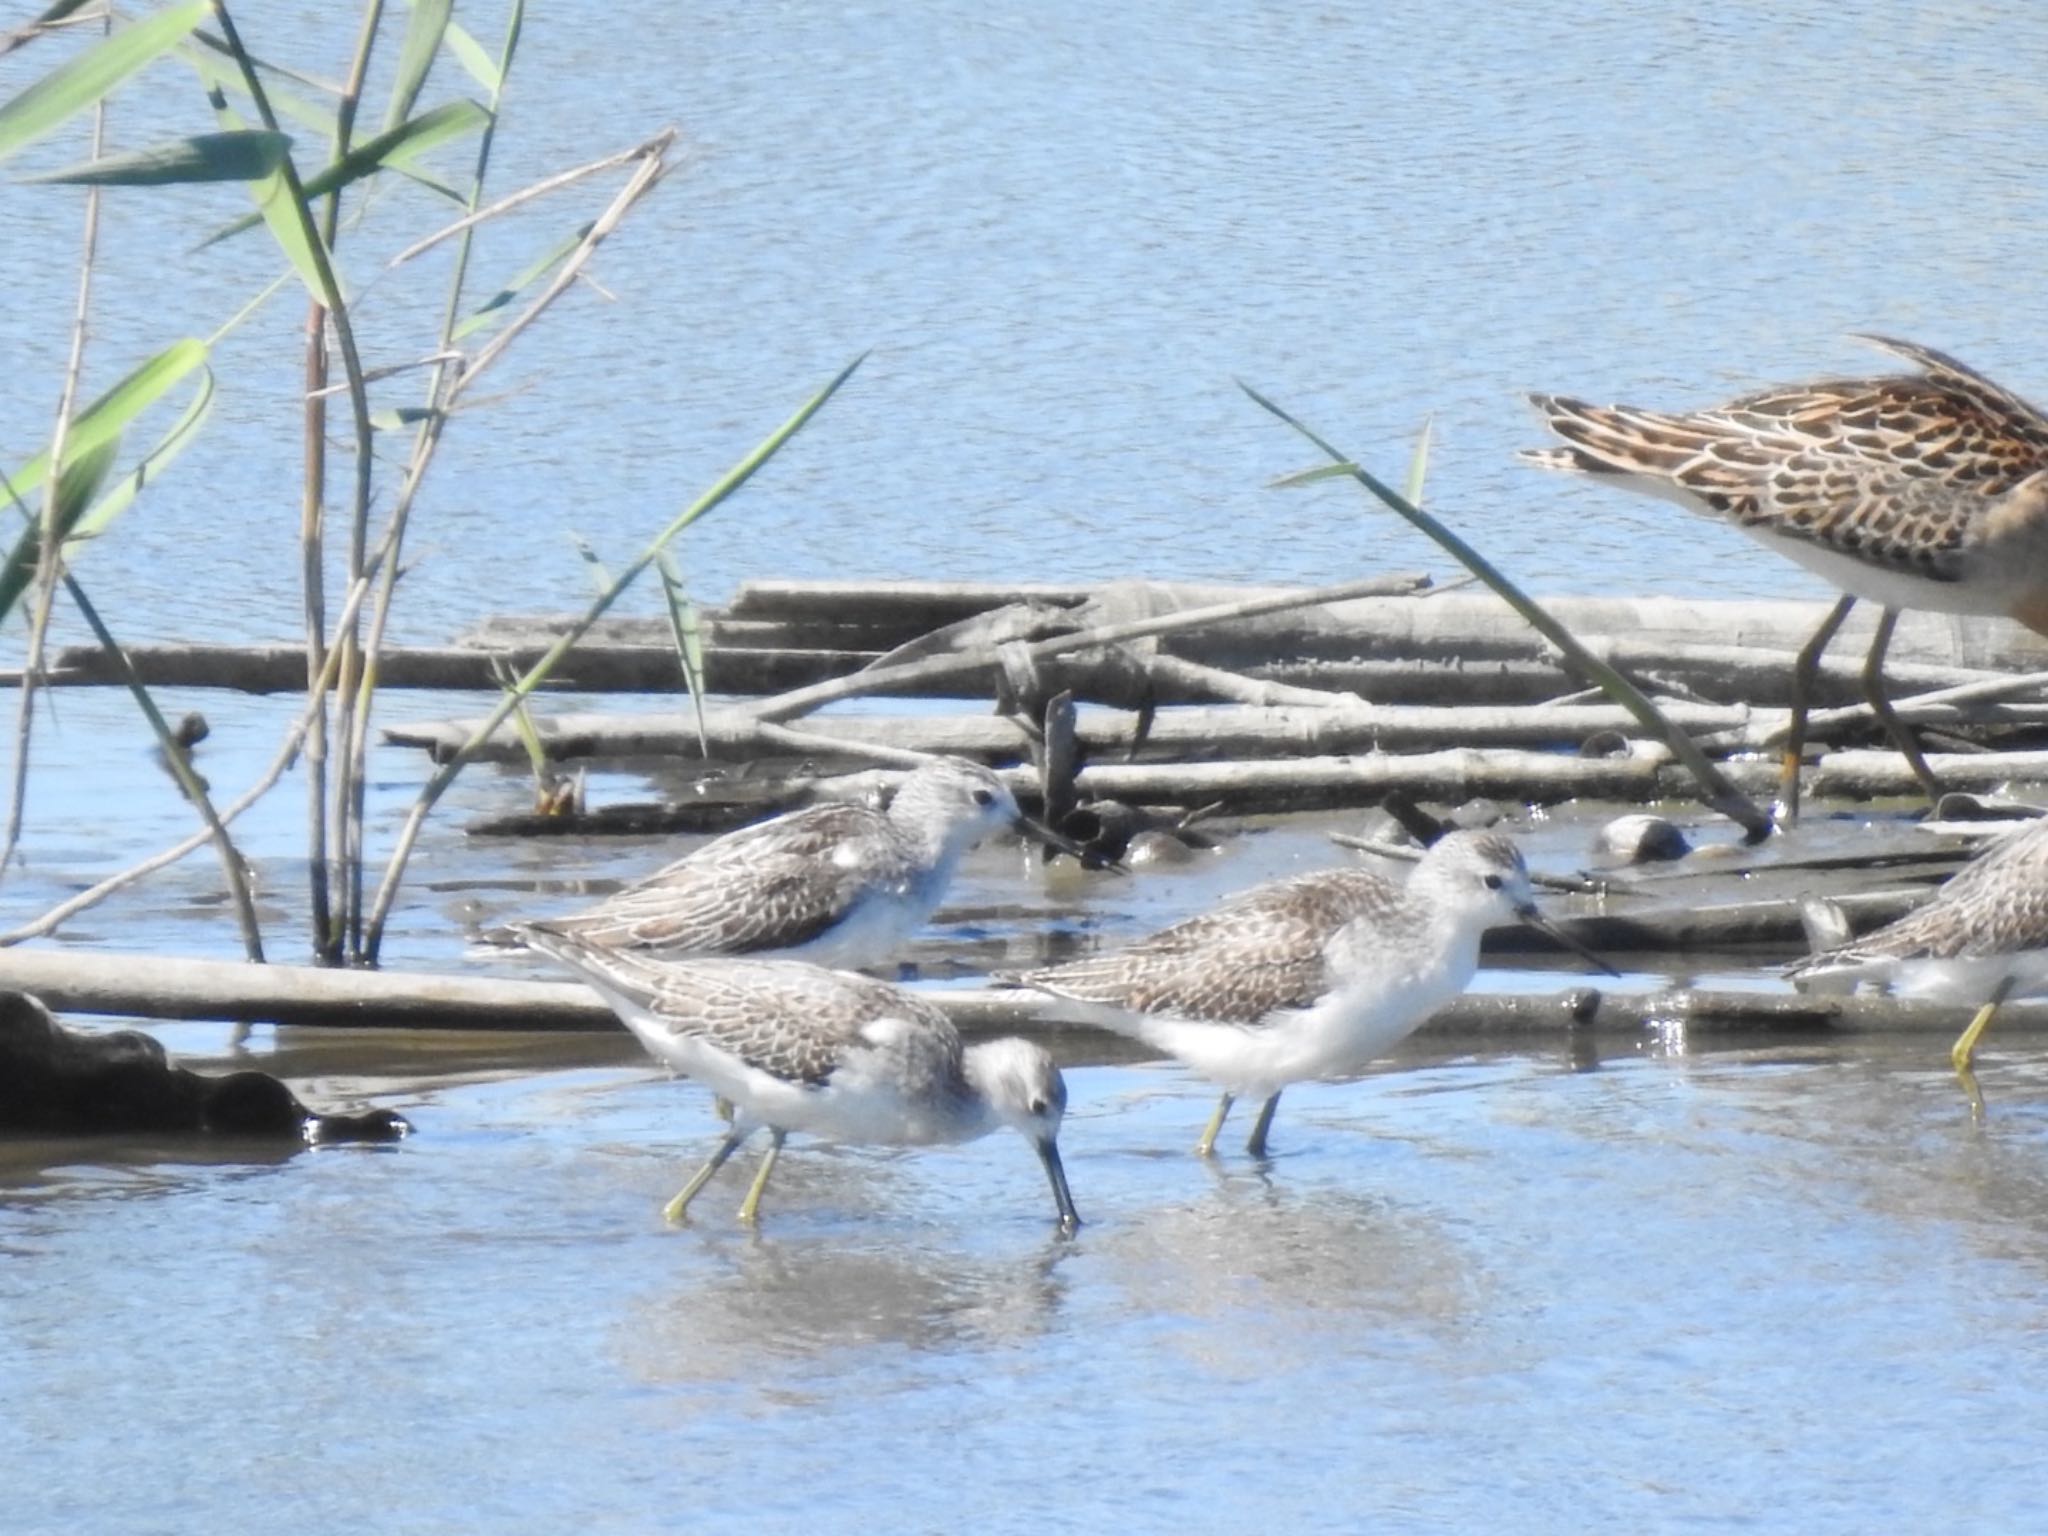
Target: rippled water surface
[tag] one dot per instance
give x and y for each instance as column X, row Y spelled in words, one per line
column 1786, row 1289
column 1064, row 229
column 1628, row 1285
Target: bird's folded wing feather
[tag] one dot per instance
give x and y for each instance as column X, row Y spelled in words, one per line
column 771, row 886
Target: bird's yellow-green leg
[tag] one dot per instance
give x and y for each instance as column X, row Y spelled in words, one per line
column 1873, row 690
column 1257, row 1144
column 750, row 1208
column 1965, row 1050
column 1803, row 672
column 1973, row 1094
column 1207, row 1145
column 674, row 1210
column 721, row 1106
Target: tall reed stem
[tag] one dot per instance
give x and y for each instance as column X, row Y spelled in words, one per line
column 51, row 555
column 328, row 943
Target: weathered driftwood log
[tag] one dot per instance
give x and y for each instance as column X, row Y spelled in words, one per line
column 1448, row 624
column 167, row 987
column 1216, row 731
column 1719, row 927
column 1464, row 646
column 149, row 986
column 1114, row 633
column 1225, row 730
column 589, row 668
column 1334, row 782
column 1324, row 783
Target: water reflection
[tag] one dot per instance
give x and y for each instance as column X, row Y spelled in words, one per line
column 1262, row 1271
column 828, row 1300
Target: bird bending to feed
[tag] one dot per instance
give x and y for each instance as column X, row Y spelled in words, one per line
column 1920, row 490
column 839, row 883
column 1312, row 976
column 796, row 1047
column 1981, row 938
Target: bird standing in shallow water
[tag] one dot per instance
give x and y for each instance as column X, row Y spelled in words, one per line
column 1312, row 976
column 796, row 1047
column 1922, row 490
column 1981, row 938
column 837, row 884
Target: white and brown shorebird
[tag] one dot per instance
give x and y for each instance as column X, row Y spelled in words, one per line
column 840, row 883
column 796, row 1047
column 1919, row 490
column 1308, row 977
column 1982, row 938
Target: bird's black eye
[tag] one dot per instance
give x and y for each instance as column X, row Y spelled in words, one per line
column 1037, row 1106
column 984, row 797
column 1493, row 882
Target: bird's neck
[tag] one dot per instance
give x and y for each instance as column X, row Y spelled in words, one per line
column 972, row 1105
column 938, row 845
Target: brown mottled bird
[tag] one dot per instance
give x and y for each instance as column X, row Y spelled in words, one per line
column 1918, row 490
column 1981, row 938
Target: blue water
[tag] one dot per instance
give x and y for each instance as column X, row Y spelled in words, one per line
column 1064, row 230
column 1790, row 1290
column 1793, row 1288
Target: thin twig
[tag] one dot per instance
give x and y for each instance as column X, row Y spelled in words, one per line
column 643, row 180
column 21, row 37
column 389, row 371
column 653, row 148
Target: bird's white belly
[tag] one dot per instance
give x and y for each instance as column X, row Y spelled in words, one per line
column 1888, row 588
column 1342, row 1034
column 1973, row 978
column 873, row 929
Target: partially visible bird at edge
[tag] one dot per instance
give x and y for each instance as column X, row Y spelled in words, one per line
column 1981, row 939
column 1921, row 490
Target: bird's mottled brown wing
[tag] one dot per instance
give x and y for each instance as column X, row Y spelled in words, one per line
column 1898, row 472
column 1997, row 904
column 1259, row 952
column 770, row 886
column 2010, row 426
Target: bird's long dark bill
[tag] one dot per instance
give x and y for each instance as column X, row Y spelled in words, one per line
column 1032, row 827
column 1557, row 935
column 1055, row 1170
